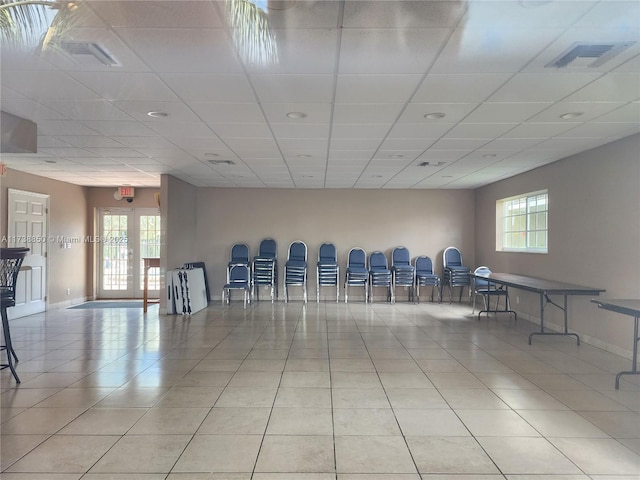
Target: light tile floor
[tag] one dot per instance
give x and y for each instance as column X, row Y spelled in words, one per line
column 318, row 392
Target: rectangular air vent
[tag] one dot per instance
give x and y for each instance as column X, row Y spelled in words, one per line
column 431, row 164
column 222, row 162
column 87, row 53
column 588, row 55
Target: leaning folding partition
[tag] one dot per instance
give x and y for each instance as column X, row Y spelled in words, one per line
column 265, row 269
column 328, row 271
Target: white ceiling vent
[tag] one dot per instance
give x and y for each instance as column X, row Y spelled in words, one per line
column 588, row 55
column 87, row 53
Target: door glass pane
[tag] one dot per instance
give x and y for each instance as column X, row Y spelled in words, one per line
column 149, row 248
column 115, row 259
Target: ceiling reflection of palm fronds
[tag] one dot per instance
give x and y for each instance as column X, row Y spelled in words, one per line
column 28, row 24
column 252, row 35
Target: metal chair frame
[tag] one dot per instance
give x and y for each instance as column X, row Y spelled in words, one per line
column 237, row 281
column 356, row 273
column 10, row 263
column 454, row 273
column 295, row 270
column 403, row 273
column 264, row 269
column 327, row 270
column 425, row 276
column 380, row 275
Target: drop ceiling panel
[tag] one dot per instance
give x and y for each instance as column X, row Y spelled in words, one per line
column 293, row 88
column 376, row 88
column 210, row 88
column 389, row 50
column 126, row 86
column 461, row 88
column 364, row 74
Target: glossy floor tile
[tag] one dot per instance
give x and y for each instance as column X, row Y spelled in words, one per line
column 312, row 392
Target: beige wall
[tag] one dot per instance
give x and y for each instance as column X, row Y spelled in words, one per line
column 178, row 214
column 594, row 235
column 67, row 268
column 425, row 221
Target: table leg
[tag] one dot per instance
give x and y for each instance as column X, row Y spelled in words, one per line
column 634, row 366
column 566, row 319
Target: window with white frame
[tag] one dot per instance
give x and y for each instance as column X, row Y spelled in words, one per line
column 522, row 223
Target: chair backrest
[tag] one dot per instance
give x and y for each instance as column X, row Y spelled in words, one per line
column 484, row 271
column 10, row 263
column 327, row 253
column 400, row 257
column 240, row 253
column 268, row 248
column 424, row 266
column 357, row 258
column 378, row 260
column 238, row 274
column 452, row 257
column 298, row 252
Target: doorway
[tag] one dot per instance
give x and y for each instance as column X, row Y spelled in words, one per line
column 127, row 236
column 28, row 226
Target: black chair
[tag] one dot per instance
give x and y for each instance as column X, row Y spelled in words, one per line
column 328, row 271
column 10, row 263
column 425, row 276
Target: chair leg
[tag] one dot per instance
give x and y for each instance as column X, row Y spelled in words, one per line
column 9, row 346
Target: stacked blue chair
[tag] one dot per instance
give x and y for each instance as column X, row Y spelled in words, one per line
column 425, row 276
column 295, row 270
column 328, row 271
column 240, row 255
column 265, row 268
column 380, row 275
column 403, row 273
column 454, row 273
column 238, row 278
column 357, row 274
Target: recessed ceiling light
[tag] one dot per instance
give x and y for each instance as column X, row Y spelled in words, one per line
column 434, row 115
column 396, row 156
column 158, row 114
column 296, row 115
column 222, row 162
column 303, row 155
column 447, row 176
column 50, row 161
column 566, row 116
column 489, row 155
column 209, row 154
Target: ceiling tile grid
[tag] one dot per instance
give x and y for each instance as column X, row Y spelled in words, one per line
column 324, row 94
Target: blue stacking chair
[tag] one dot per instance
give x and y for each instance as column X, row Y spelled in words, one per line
column 356, row 274
column 425, row 276
column 238, row 278
column 403, row 273
column 454, row 273
column 240, row 255
column 487, row 289
column 295, row 270
column 328, row 270
column 380, row 275
column 265, row 268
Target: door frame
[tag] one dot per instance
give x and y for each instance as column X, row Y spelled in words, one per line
column 23, row 309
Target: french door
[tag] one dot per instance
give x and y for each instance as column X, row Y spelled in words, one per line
column 127, row 236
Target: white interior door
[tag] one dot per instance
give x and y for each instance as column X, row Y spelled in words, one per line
column 28, row 226
column 127, row 237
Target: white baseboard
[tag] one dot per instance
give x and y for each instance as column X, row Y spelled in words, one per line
column 68, row 303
